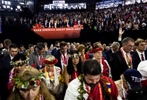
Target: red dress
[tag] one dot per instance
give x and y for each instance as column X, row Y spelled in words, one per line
column 74, row 75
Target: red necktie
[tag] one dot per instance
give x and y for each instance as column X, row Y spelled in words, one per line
column 142, row 57
column 40, row 60
column 65, row 60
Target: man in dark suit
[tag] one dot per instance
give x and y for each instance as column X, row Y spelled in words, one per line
column 71, row 23
column 140, row 54
column 62, row 55
column 122, row 59
column 114, row 47
column 5, row 68
column 7, row 43
column 6, row 22
column 57, row 47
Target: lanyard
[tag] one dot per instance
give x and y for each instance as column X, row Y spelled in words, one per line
column 90, row 97
column 126, row 58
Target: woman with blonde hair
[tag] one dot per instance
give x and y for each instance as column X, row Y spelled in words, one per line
column 105, row 67
column 51, row 72
column 29, row 85
column 82, row 53
column 52, row 76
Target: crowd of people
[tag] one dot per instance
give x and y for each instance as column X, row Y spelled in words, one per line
column 77, row 71
column 74, row 71
column 130, row 17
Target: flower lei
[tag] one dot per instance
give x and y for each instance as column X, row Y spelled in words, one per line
column 18, row 64
column 48, row 74
column 106, row 89
column 24, row 84
column 39, row 97
column 81, row 89
column 11, row 76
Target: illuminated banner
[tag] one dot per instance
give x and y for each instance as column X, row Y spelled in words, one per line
column 58, row 1
column 110, row 4
column 58, row 33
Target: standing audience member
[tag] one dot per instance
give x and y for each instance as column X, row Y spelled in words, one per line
column 142, row 68
column 1, row 46
column 29, row 50
column 51, row 73
column 22, row 49
column 91, row 85
column 140, row 54
column 7, row 43
column 73, row 69
column 57, row 47
column 19, row 62
column 122, row 59
column 132, row 87
column 36, row 57
column 30, row 86
column 82, row 53
column 114, row 47
column 62, row 56
column 5, row 68
column 105, row 68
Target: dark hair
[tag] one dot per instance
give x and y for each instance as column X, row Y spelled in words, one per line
column 57, row 42
column 13, row 45
column 30, row 45
column 7, row 41
column 22, row 45
column 70, row 67
column 63, row 43
column 74, row 52
column 127, row 39
column 40, row 45
column 91, row 67
column 19, row 56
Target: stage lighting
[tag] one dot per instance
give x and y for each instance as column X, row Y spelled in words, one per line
column 18, row 7
column 4, row 6
column 11, row 8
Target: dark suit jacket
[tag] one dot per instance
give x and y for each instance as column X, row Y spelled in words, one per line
column 118, row 65
column 58, row 56
column 136, row 59
column 54, row 51
column 5, row 68
column 108, row 54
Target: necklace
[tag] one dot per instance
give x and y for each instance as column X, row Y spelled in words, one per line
column 49, row 74
column 39, row 97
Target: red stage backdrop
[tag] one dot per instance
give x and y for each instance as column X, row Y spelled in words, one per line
column 58, row 33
